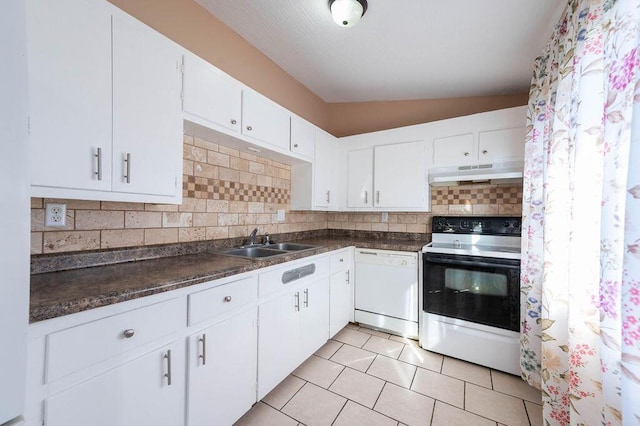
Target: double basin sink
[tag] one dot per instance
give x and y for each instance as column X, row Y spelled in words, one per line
column 261, row 251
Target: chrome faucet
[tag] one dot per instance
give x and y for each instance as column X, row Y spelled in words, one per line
column 252, row 236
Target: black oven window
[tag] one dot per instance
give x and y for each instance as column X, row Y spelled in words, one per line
column 475, row 282
column 481, row 290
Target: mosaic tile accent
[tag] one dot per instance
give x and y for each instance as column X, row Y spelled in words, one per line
column 495, row 194
column 216, row 189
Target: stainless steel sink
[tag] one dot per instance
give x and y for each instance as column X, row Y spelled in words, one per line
column 290, row 246
column 266, row 251
column 253, row 252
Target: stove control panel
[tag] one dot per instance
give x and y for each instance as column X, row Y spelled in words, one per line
column 485, row 225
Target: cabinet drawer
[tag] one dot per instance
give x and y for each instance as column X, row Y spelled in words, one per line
column 78, row 347
column 302, row 272
column 207, row 304
column 340, row 261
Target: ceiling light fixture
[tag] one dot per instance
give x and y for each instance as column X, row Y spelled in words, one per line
column 347, row 13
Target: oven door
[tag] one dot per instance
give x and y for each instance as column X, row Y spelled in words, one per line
column 473, row 288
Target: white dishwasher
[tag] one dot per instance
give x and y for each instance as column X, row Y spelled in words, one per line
column 386, row 290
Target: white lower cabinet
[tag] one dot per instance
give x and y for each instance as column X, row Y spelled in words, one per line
column 143, row 391
column 222, row 371
column 340, row 291
column 293, row 324
column 194, row 356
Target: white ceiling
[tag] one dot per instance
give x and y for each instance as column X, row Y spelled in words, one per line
column 401, row 49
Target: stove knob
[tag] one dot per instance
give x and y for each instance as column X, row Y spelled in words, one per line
column 507, row 223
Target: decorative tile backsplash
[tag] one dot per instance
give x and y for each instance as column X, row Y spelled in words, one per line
column 227, row 193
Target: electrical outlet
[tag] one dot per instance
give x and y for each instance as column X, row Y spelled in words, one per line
column 280, row 215
column 385, row 217
column 55, row 214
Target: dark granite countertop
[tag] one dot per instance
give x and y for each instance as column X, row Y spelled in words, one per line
column 59, row 293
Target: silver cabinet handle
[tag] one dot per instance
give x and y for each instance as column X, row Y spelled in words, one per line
column 306, row 297
column 128, row 333
column 98, row 156
column 297, row 300
column 227, row 299
column 377, row 197
column 295, row 145
column 341, row 260
column 233, row 121
column 328, row 196
column 348, row 276
column 466, row 154
column 127, row 176
column 203, row 355
column 366, row 197
column 167, row 375
column 249, row 128
column 484, row 151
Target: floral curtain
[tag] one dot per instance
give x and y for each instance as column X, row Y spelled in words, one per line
column 580, row 281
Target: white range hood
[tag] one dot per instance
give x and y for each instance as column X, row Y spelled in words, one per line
column 481, row 173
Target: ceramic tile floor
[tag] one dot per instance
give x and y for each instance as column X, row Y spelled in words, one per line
column 364, row 377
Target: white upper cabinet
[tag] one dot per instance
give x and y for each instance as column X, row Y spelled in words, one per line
column 147, row 129
column 210, row 94
column 495, row 136
column 360, row 178
column 264, row 120
column 501, row 144
column 388, row 177
column 303, row 137
column 69, row 63
column 104, row 88
column 325, row 185
column 401, row 176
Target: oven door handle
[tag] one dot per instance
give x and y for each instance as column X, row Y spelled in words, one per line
column 489, row 262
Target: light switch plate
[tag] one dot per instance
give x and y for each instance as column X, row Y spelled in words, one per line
column 384, row 217
column 280, row 215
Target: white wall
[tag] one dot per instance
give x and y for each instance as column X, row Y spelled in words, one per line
column 14, row 216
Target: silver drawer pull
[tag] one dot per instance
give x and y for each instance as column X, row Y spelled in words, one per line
column 297, row 301
column 306, row 297
column 233, row 121
column 98, row 156
column 203, row 355
column 249, row 128
column 377, row 197
column 167, row 375
column 227, row 299
column 348, row 276
column 127, row 176
column 128, row 333
column 366, row 197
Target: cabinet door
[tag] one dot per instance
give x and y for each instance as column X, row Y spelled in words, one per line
column 360, row 178
column 314, row 325
column 453, row 150
column 147, row 116
column 340, row 304
column 222, row 371
column 278, row 337
column 210, row 94
column 69, row 56
column 136, row 393
column 264, row 120
column 501, row 144
column 401, row 175
column 303, row 137
column 325, row 194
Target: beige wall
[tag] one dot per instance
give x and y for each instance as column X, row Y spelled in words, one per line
column 347, row 119
column 190, row 25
